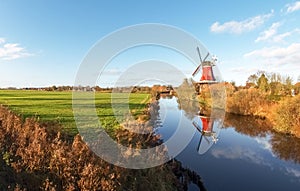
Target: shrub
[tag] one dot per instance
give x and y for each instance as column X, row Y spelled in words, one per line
column 287, row 116
column 249, row 102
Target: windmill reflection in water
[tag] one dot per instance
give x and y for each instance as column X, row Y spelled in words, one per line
column 208, row 126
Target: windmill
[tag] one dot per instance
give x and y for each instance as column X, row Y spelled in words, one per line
column 207, row 71
column 207, row 132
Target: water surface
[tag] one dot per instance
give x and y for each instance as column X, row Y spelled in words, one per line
column 246, row 156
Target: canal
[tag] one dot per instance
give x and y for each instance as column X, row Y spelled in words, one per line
column 240, row 153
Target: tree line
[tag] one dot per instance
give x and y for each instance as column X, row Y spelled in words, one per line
column 273, row 83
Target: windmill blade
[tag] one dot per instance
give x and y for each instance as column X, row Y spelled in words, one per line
column 198, row 50
column 206, row 57
column 198, row 147
column 197, row 126
column 197, row 70
column 206, row 139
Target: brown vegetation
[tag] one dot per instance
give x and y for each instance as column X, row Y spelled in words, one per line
column 282, row 115
column 34, row 157
column 268, row 96
column 251, row 102
column 40, row 158
column 251, row 126
column 287, row 116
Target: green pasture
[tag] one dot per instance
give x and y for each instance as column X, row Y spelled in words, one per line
column 57, row 106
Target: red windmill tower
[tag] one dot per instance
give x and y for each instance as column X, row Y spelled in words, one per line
column 207, row 70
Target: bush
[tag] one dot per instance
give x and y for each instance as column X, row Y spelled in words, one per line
column 249, row 102
column 287, row 116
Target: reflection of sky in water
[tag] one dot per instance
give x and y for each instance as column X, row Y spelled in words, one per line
column 236, row 161
column 264, row 142
column 257, row 150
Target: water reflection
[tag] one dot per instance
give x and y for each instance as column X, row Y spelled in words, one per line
column 283, row 146
column 190, row 107
column 209, row 129
column 207, row 122
column 250, row 126
column 252, row 156
column 286, row 147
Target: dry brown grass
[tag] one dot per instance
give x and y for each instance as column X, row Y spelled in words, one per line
column 36, row 156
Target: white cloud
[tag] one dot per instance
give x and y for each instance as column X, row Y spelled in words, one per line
column 264, row 142
column 293, row 172
column 238, row 27
column 2, row 40
column 290, row 53
column 284, row 60
column 11, row 51
column 239, row 152
column 281, row 37
column 269, row 33
column 292, row 7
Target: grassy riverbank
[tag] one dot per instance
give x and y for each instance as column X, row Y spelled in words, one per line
column 34, row 155
column 56, row 106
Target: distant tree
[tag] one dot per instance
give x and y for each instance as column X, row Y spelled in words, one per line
column 53, row 88
column 288, row 84
column 252, row 79
column 97, row 88
column 297, row 87
column 232, row 83
column 186, row 90
column 275, row 87
column 275, row 77
column 276, row 83
column 11, row 88
column 260, row 72
column 134, row 89
column 262, row 83
column 249, row 85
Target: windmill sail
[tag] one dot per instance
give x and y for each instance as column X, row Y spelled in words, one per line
column 199, row 54
column 197, row 70
column 206, row 57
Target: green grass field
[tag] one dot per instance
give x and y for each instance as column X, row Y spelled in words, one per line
column 57, row 106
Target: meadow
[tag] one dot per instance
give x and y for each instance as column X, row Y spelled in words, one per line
column 34, row 156
column 56, row 106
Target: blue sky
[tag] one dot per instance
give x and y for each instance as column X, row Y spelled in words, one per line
column 42, row 43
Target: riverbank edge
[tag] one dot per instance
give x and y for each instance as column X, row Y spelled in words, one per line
column 270, row 115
